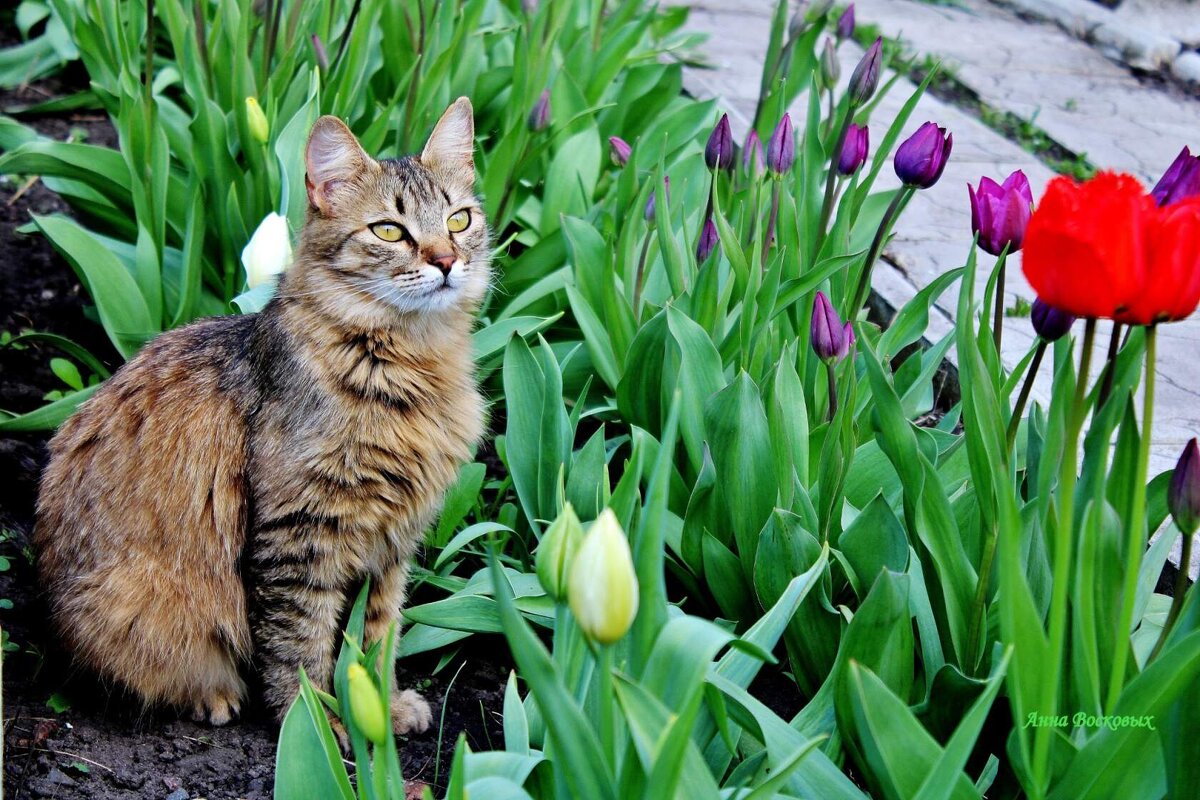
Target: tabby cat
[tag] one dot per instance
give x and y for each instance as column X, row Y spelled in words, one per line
column 218, row 503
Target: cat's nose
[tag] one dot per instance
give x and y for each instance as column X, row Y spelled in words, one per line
column 444, row 263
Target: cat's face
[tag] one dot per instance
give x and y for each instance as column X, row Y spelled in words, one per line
column 407, row 234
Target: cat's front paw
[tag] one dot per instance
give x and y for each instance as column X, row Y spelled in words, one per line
column 411, row 713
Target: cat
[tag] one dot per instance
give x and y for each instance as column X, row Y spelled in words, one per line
column 218, row 503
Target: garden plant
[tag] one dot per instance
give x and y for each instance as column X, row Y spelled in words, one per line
column 713, row 461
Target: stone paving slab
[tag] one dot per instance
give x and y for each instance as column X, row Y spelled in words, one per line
column 933, row 235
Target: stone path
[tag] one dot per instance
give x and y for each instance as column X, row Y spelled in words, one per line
column 1085, row 101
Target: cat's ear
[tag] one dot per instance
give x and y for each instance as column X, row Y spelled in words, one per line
column 451, row 146
column 333, row 156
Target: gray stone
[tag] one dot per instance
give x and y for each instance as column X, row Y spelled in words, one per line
column 1136, row 46
column 1080, row 17
column 1178, row 19
column 1187, row 68
column 178, row 794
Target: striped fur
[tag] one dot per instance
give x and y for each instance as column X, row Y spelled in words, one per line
column 217, row 504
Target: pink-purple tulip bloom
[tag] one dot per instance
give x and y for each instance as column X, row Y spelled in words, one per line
column 781, row 149
column 845, row 23
column 619, row 150
column 854, row 149
column 1180, row 181
column 922, row 157
column 830, row 338
column 1000, row 212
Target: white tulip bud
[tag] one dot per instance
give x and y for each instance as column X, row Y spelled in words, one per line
column 269, row 251
column 603, row 587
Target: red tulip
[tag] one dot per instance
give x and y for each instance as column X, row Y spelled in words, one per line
column 1104, row 248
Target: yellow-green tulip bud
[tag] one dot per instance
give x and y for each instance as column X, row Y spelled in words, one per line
column 256, row 120
column 603, row 588
column 557, row 551
column 366, row 706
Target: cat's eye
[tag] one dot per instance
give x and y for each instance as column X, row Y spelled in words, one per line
column 388, row 231
column 459, row 221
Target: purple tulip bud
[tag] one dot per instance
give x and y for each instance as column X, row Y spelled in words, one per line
column 1180, row 181
column 854, row 150
column 865, row 77
column 619, row 150
column 830, row 338
column 831, row 68
column 709, row 239
column 650, row 203
column 1183, row 493
column 530, row 7
column 718, row 153
column 539, row 117
column 319, row 52
column 922, row 157
column 845, row 23
column 1000, row 212
column 1050, row 323
column 752, row 155
column 781, row 149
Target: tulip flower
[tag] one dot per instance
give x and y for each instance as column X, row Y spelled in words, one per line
column 619, row 150
column 854, row 149
column 922, row 157
column 269, row 251
column 752, row 155
column 1000, row 212
column 709, row 239
column 865, row 78
column 256, row 121
column 1050, row 323
column 319, row 52
column 831, row 68
column 366, row 706
column 781, row 149
column 718, row 153
column 539, row 117
column 1183, row 494
column 651, row 203
column 1180, row 181
column 845, row 23
column 1103, row 248
column 603, row 587
column 557, row 551
column 830, row 338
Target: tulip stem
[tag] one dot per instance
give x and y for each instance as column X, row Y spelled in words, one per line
column 978, row 614
column 641, row 271
column 1063, row 538
column 1181, row 579
column 607, row 727
column 831, row 379
column 1015, row 423
column 1110, row 365
column 830, row 179
column 864, row 279
column 771, row 222
column 1135, row 545
column 998, row 315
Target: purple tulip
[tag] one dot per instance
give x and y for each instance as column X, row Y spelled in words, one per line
column 319, row 52
column 831, row 68
column 922, row 157
column 1180, row 181
column 781, row 149
column 539, row 117
column 709, row 239
column 1050, row 323
column 650, row 203
column 865, row 77
column 619, row 150
column 1000, row 212
column 718, row 153
column 845, row 23
column 752, row 155
column 830, row 338
column 854, row 150
column 1183, row 493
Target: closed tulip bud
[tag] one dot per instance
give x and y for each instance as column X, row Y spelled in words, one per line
column 922, row 157
column 650, row 202
column 269, row 251
column 557, row 551
column 831, row 68
column 603, row 588
column 718, row 153
column 845, row 23
column 1000, row 212
column 319, row 52
column 752, row 155
column 539, row 117
column 1183, row 494
column 530, row 7
column 830, row 338
column 854, row 149
column 619, row 150
column 366, row 706
column 781, row 149
column 256, row 121
column 798, row 22
column 709, row 239
column 1050, row 323
column 818, row 9
column 1180, row 181
column 865, row 77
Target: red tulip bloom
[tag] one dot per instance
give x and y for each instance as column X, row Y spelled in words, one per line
column 1171, row 238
